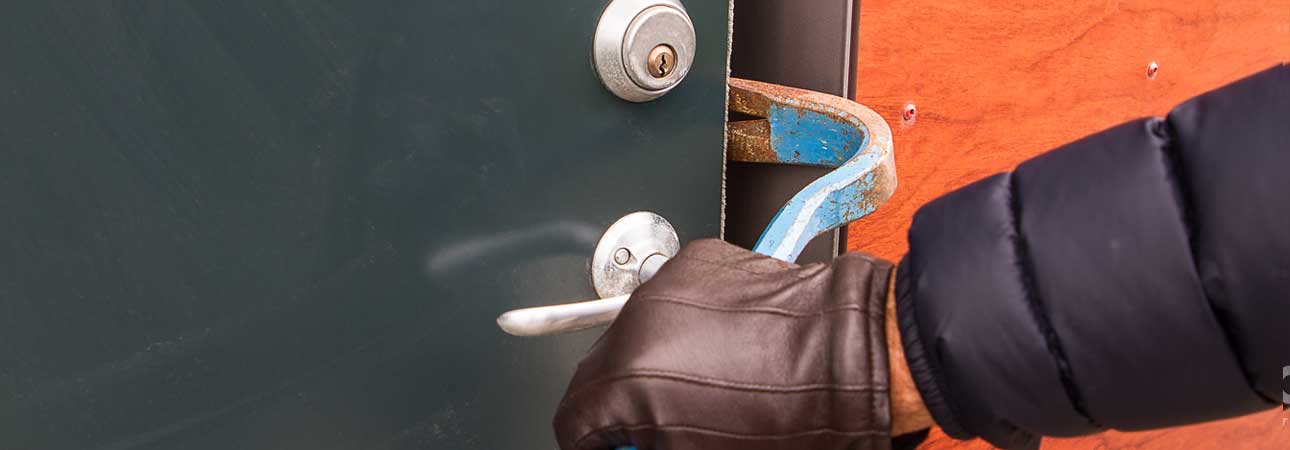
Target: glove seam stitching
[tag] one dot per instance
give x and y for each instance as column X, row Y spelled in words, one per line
column 660, row 298
column 710, row 431
column 879, row 285
column 733, row 385
column 777, row 272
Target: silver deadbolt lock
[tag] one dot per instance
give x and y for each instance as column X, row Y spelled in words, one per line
column 643, row 48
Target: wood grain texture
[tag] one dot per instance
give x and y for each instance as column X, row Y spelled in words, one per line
column 1268, row 430
column 996, row 83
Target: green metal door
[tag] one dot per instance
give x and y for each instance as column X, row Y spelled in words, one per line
column 281, row 224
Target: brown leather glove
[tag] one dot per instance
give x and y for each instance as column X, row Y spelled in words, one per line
column 725, row 349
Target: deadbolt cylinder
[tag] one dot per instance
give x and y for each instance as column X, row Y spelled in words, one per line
column 633, row 43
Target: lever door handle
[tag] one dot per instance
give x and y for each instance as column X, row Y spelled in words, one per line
column 789, row 126
column 557, row 319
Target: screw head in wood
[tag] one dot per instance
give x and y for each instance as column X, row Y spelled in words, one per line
column 910, row 112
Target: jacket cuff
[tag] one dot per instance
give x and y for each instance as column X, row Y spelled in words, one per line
column 927, row 376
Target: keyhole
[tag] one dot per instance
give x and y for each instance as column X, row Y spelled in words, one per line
column 662, row 60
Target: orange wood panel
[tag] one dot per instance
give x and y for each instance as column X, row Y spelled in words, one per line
column 997, row 82
column 1268, row 430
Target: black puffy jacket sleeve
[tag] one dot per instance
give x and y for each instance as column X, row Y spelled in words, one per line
column 1137, row 278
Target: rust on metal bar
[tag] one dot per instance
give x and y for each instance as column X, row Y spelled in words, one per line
column 797, row 126
column 749, row 141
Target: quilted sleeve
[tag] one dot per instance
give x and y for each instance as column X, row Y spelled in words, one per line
column 1137, row 278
